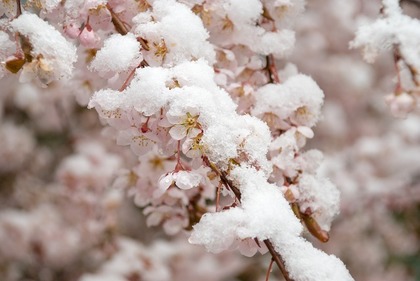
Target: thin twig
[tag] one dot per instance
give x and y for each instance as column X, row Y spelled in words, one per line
column 118, row 24
column 223, row 178
column 18, row 8
column 278, row 260
column 270, row 266
column 126, row 82
column 219, row 187
column 397, row 58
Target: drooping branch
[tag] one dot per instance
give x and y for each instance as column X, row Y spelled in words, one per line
column 229, row 185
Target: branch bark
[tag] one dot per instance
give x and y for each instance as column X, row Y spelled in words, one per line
column 18, row 8
column 118, row 24
column 272, row 70
column 278, row 260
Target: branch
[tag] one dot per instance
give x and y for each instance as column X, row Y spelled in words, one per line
column 272, row 70
column 278, row 260
column 119, row 25
column 18, row 8
column 228, row 183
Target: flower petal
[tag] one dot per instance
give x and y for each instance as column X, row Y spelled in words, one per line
column 187, row 180
column 164, row 183
column 178, row 132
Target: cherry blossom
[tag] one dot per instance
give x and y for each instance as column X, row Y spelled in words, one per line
column 134, row 129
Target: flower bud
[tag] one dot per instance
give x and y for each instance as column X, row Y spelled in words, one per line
column 88, row 37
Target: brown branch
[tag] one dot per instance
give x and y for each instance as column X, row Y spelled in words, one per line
column 223, row 177
column 272, row 70
column 130, row 76
column 118, row 24
column 18, row 8
column 278, row 260
column 228, row 183
column 267, row 276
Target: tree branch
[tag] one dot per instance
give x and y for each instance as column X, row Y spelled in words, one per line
column 118, row 24
column 223, row 177
column 228, row 183
column 278, row 260
column 18, row 8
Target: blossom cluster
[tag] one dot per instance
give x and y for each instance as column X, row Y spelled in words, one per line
column 211, row 135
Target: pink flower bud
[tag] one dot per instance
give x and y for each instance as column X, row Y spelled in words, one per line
column 88, row 37
column 400, row 105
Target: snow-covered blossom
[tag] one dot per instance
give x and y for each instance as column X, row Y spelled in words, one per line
column 112, row 58
column 184, row 125
column 299, row 99
column 169, row 29
column 206, row 129
column 400, row 33
column 53, row 56
column 392, row 29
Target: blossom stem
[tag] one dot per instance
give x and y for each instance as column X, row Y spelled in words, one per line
column 130, row 76
column 126, row 82
column 267, row 276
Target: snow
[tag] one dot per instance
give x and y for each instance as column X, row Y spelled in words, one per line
column 179, row 30
column 48, row 43
column 288, row 99
column 119, row 53
column 265, row 214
